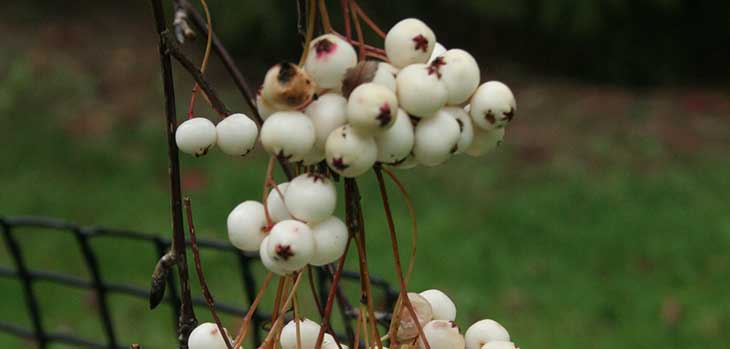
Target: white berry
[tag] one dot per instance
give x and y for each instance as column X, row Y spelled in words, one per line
column 459, row 72
column 372, row 107
column 327, row 113
column 385, row 75
column 247, row 225
column 465, row 127
column 291, row 244
column 484, row 331
column 396, row 143
column 442, row 334
column 442, row 306
column 330, row 239
column 308, row 332
column 420, row 90
column 268, row 262
column 206, row 336
column 485, row 141
column 493, row 105
column 311, row 197
column 288, row 134
column 436, row 139
column 350, row 152
column 410, row 41
column 328, row 59
column 275, row 203
column 408, row 328
column 500, row 345
column 330, row 343
column 195, row 136
column 236, row 134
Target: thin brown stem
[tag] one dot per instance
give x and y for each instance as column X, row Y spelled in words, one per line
column 209, row 300
column 324, row 14
column 331, row 296
column 366, row 18
column 282, row 310
column 187, row 321
column 414, row 226
column 346, row 18
column 296, row 321
column 358, row 29
column 313, row 288
column 243, row 330
column 310, row 30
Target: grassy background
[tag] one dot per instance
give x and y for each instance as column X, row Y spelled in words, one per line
column 600, row 223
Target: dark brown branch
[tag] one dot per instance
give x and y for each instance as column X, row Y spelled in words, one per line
column 187, row 64
column 187, row 321
column 201, row 276
column 331, row 296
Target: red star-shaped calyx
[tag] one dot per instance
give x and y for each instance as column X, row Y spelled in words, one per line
column 421, row 43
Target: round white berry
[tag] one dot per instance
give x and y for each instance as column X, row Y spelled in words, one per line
column 275, row 203
column 500, row 345
column 311, row 197
column 330, row 239
column 308, row 332
column 350, row 152
column 372, row 107
column 327, row 113
column 291, row 244
column 420, row 90
column 330, row 343
column 485, row 141
column 410, row 41
column 408, row 328
column 465, row 126
column 436, row 139
column 207, row 336
column 288, row 134
column 247, row 225
column 493, row 105
column 459, row 72
column 287, row 87
column 442, row 334
column 328, row 59
column 484, row 331
column 437, row 51
column 396, row 143
column 385, row 75
column 268, row 262
column 195, row 136
column 236, row 134
column 443, row 307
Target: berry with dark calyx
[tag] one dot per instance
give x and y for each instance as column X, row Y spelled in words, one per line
column 207, row 336
column 485, row 141
column 330, row 240
column 493, row 105
column 437, row 138
column 287, row 87
column 442, row 306
column 442, row 334
column 396, row 143
column 268, row 262
column 420, row 90
column 437, row 51
column 196, row 136
column 328, row 59
column 236, row 134
column 410, row 41
column 460, row 73
column 290, row 245
column 372, row 108
column 247, row 225
column 275, row 203
column 350, row 152
column 483, row 332
column 311, row 197
column 288, row 134
column 465, row 126
column 327, row 113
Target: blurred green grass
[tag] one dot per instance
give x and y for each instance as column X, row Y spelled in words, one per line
column 564, row 253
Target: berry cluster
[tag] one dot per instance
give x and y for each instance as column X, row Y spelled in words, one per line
column 338, row 114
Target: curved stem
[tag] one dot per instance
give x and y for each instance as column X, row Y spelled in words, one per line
column 325, row 17
column 243, row 330
column 358, row 29
column 310, row 30
column 368, row 21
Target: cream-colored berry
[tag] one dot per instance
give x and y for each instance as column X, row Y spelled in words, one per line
column 247, row 225
column 330, row 240
column 442, row 306
column 288, row 134
column 436, row 138
column 195, row 136
column 483, row 332
column 410, row 41
column 236, row 134
column 371, row 108
column 350, row 152
column 396, row 143
column 311, row 197
column 420, row 90
column 492, row 106
column 328, row 59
